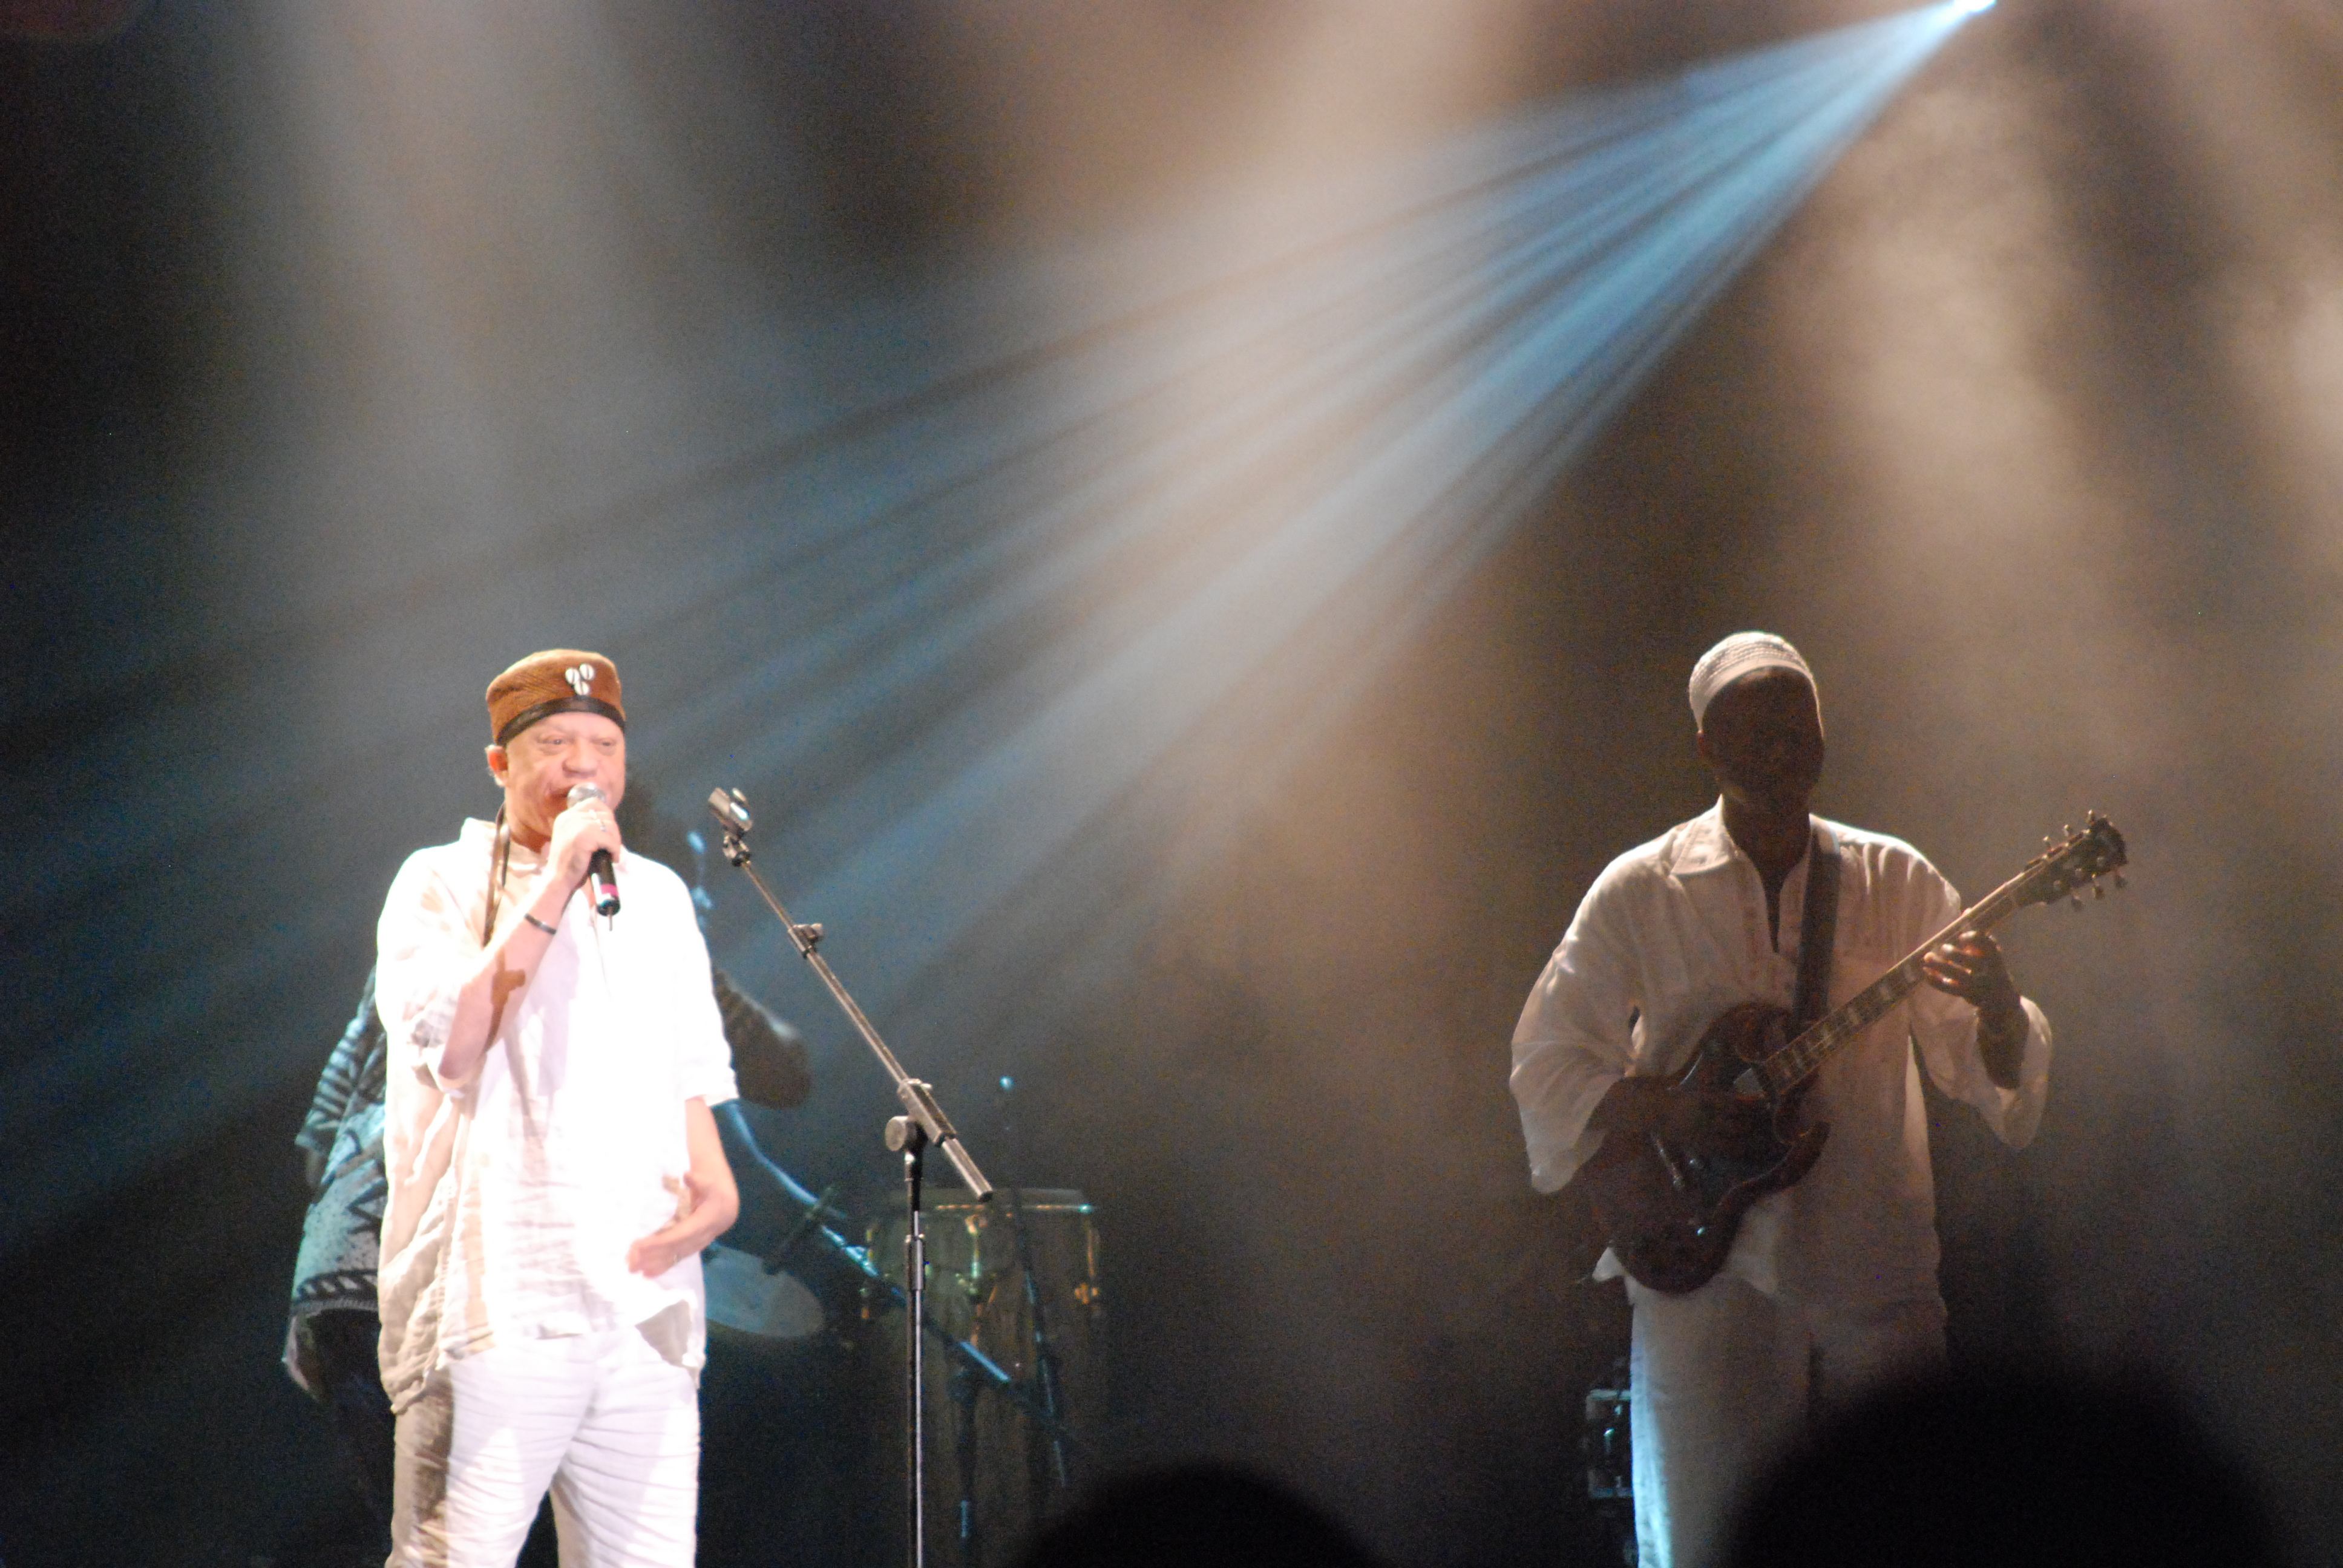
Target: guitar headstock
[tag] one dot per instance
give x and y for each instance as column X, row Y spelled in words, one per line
column 2063, row 870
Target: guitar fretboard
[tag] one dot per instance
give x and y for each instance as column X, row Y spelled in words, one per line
column 1794, row 1063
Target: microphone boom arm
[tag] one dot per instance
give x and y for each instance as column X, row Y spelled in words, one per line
column 918, row 1099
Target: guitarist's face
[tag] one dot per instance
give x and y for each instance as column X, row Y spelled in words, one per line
column 1762, row 738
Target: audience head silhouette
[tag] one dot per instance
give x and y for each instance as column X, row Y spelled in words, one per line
column 2011, row 1468
column 1193, row 1517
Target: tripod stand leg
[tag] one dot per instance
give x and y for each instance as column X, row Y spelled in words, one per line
column 966, row 1391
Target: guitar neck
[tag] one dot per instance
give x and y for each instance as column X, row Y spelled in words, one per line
column 1799, row 1060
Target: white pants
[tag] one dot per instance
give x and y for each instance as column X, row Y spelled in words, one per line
column 1722, row 1379
column 610, row 1425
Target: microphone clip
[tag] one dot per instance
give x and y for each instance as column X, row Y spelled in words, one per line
column 731, row 811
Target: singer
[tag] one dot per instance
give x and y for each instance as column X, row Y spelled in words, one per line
column 554, row 1168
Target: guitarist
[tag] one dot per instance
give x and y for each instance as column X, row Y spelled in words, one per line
column 1830, row 1287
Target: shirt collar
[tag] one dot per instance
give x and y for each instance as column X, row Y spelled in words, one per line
column 481, row 836
column 1703, row 844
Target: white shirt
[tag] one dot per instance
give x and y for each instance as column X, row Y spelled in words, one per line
column 1674, row 933
column 513, row 1196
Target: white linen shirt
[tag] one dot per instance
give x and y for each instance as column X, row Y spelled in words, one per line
column 1674, row 933
column 515, row 1194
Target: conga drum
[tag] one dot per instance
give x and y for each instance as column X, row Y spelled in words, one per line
column 1018, row 1278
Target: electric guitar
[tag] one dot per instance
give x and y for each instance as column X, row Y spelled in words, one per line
column 1671, row 1210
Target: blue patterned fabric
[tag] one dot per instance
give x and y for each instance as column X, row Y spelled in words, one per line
column 341, row 1236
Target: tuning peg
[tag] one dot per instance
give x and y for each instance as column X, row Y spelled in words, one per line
column 2121, row 883
column 2097, row 892
column 2076, row 899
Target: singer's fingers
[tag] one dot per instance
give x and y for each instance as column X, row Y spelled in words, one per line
column 595, row 821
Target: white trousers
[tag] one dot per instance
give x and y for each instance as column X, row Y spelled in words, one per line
column 1722, row 1379
column 606, row 1423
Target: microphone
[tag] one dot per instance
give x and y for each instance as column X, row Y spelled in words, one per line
column 599, row 877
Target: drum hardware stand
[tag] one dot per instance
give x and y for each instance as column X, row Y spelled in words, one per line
column 964, row 1390
column 1045, row 1352
column 816, row 1212
column 1606, row 1443
column 910, row 1134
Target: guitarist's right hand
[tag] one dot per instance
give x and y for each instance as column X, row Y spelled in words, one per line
column 1681, row 1113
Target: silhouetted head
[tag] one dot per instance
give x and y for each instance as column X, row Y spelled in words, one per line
column 1763, row 740
column 2009, row 1470
column 1191, row 1517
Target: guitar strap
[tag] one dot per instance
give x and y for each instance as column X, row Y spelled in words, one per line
column 1818, row 932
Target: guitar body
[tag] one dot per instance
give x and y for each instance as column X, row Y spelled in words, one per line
column 1671, row 1212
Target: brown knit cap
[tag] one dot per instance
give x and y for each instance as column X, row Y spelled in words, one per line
column 558, row 680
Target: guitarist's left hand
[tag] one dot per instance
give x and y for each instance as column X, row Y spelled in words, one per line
column 1971, row 968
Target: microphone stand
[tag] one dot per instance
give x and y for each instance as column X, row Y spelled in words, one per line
column 922, row 1126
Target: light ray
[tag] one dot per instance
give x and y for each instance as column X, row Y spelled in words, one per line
column 956, row 585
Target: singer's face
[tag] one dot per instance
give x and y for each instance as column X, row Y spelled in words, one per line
column 547, row 759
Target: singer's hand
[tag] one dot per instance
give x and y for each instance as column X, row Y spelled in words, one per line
column 700, row 1216
column 707, row 1201
column 578, row 832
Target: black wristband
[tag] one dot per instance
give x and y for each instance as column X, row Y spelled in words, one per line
column 540, row 925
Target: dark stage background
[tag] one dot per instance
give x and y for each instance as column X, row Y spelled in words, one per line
column 317, row 409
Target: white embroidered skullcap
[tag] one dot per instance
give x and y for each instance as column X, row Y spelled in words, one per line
column 1742, row 653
